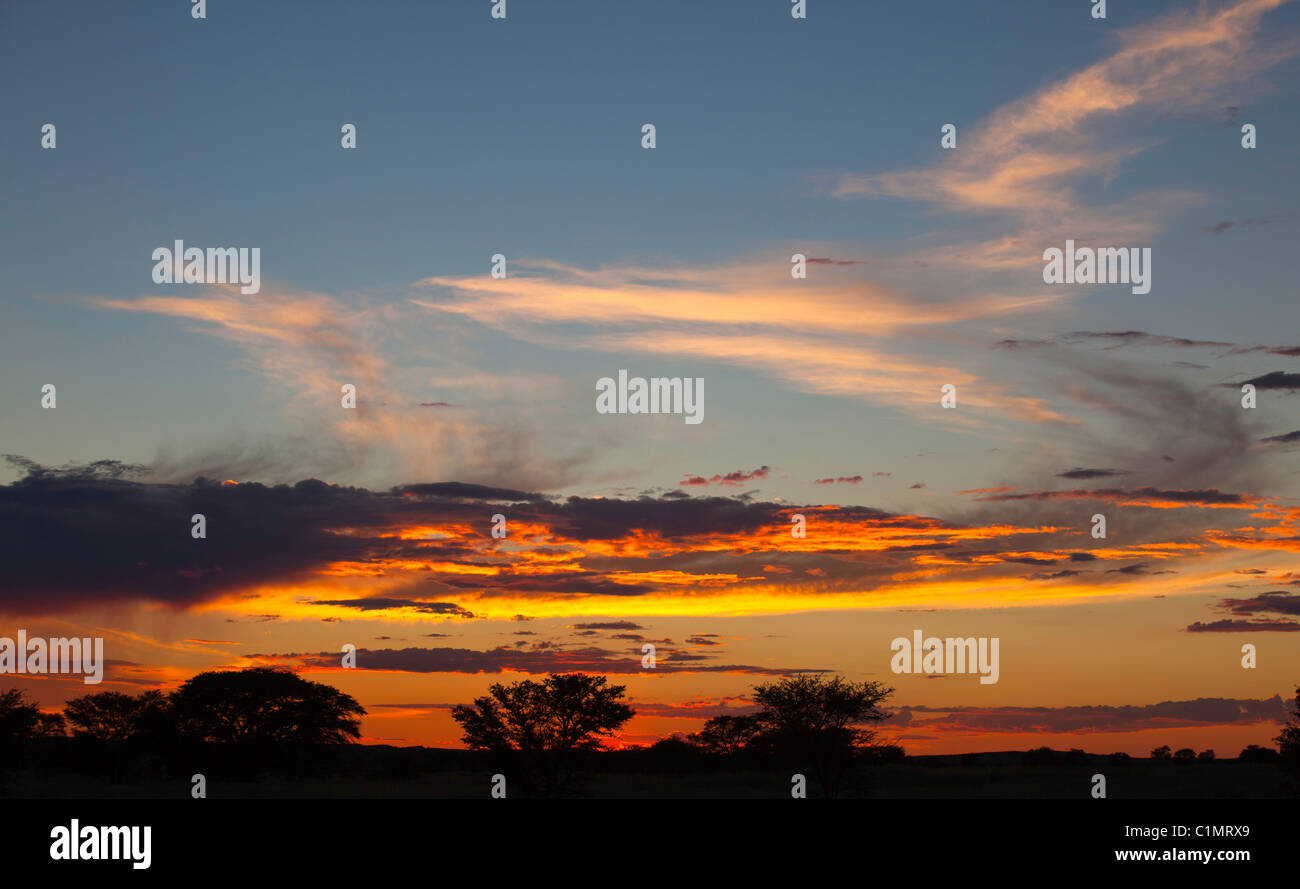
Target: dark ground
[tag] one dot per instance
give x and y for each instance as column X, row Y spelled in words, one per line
column 368, row 772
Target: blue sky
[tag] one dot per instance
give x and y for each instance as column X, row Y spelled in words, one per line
column 522, row 136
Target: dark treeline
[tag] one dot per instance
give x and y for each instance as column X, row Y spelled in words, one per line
column 544, row 735
column 227, row 724
column 547, row 732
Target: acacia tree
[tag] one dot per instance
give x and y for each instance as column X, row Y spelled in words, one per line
column 21, row 720
column 541, row 725
column 115, row 717
column 1256, row 753
column 21, row 723
column 727, row 735
column 820, row 724
column 264, row 706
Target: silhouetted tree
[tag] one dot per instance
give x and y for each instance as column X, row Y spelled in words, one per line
column 22, row 727
column 1206, row 756
column 125, row 733
column 1162, row 752
column 18, row 717
column 727, row 735
column 1288, row 743
column 676, row 755
column 539, row 726
column 1184, row 754
column 50, row 725
column 1256, row 753
column 264, row 705
column 817, row 724
column 114, row 717
column 22, row 721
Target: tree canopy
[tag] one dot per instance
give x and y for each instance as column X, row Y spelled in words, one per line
column 540, row 724
column 264, row 705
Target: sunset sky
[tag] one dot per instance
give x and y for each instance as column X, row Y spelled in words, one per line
column 372, row 526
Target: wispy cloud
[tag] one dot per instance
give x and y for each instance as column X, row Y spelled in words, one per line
column 1025, row 160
